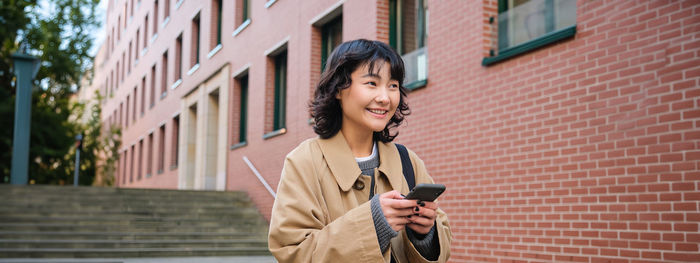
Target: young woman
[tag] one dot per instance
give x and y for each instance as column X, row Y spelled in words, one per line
column 340, row 195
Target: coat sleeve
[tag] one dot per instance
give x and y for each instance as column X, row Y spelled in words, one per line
column 441, row 224
column 300, row 230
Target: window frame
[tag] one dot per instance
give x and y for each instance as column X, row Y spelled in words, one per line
column 327, row 31
column 279, row 121
column 279, row 105
column 547, row 39
column 396, row 27
column 175, row 143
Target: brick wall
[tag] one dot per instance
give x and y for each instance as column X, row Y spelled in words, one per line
column 583, row 151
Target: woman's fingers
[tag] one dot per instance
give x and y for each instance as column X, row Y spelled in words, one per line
column 425, row 212
column 392, row 195
column 429, row 205
column 401, row 213
column 423, row 221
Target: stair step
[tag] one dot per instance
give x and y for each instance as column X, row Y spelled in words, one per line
column 233, row 210
column 52, row 235
column 129, row 252
column 70, row 243
column 147, row 229
column 124, row 219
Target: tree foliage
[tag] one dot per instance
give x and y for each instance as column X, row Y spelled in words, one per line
column 59, row 32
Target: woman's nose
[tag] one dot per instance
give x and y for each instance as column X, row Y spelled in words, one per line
column 382, row 96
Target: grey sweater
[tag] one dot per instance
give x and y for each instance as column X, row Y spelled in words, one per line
column 427, row 245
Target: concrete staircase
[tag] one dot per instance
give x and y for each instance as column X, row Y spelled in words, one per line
column 95, row 222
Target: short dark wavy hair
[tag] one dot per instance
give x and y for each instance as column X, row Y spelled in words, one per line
column 346, row 58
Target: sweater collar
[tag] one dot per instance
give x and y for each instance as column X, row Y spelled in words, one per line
column 345, row 169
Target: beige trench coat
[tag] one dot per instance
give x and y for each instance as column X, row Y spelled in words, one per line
column 322, row 213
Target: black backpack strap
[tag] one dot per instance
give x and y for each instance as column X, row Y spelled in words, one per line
column 406, row 166
column 408, row 174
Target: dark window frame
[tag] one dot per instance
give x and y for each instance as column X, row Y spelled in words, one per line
column 280, row 91
column 553, row 36
column 396, row 26
column 328, row 32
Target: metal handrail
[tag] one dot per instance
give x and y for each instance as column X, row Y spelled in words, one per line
column 262, row 180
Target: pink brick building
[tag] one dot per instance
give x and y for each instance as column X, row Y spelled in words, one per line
column 564, row 130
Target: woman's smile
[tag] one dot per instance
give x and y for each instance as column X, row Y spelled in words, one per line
column 378, row 113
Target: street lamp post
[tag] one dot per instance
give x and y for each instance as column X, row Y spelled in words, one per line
column 25, row 67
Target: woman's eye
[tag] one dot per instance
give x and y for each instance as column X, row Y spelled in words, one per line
column 394, row 86
column 372, row 83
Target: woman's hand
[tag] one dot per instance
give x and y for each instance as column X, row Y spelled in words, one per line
column 396, row 209
column 423, row 217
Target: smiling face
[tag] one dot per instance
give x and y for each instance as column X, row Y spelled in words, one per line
column 370, row 101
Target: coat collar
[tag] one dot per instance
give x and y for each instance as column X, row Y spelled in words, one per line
column 345, row 169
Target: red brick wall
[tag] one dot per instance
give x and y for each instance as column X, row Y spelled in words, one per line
column 583, row 151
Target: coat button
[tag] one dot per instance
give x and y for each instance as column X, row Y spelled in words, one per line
column 359, row 185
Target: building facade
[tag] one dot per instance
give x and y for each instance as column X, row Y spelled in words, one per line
column 564, row 130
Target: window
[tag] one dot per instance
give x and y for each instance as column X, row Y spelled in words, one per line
column 242, row 11
column 175, row 142
column 140, row 170
column 242, row 16
column 241, row 94
column 128, row 67
column 119, row 22
column 331, row 37
column 166, row 11
column 143, row 95
column 123, row 63
column 215, row 24
column 149, row 157
column 280, row 90
column 131, row 8
column 145, row 32
column 525, row 25
column 153, row 86
column 161, row 149
column 280, row 95
column 131, row 165
column 178, row 58
column 407, row 35
column 133, row 119
column 125, row 155
column 155, row 17
column 136, row 51
column 118, row 169
column 121, row 109
column 194, row 53
column 111, row 83
column 126, row 116
column 117, row 75
column 164, row 76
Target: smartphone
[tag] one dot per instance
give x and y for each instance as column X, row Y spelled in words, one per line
column 426, row 192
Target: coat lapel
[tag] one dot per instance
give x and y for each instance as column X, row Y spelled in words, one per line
column 340, row 160
column 390, row 164
column 345, row 169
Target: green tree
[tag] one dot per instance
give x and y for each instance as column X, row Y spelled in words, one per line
column 59, row 33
